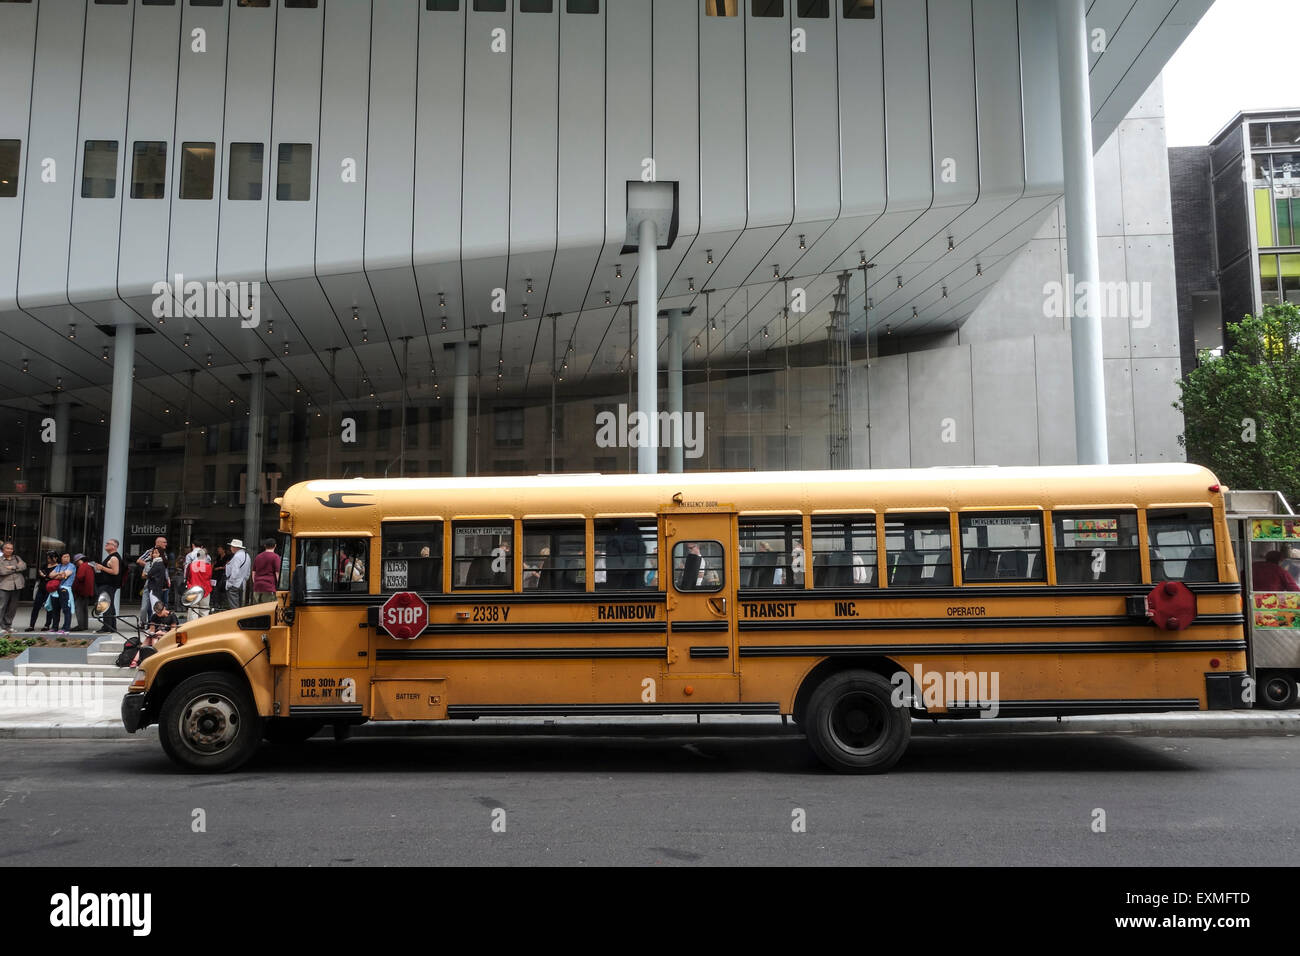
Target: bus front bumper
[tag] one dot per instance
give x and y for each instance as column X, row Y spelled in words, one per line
column 133, row 712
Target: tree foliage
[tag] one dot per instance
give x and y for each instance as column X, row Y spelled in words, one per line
column 1242, row 409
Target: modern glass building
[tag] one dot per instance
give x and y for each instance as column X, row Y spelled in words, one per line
column 248, row 243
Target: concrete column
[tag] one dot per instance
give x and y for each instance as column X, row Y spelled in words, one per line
column 1081, row 233
column 119, row 436
column 675, row 449
column 253, row 484
column 647, row 362
column 460, row 413
column 62, row 442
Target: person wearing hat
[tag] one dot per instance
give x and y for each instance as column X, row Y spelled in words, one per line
column 83, row 590
column 238, row 569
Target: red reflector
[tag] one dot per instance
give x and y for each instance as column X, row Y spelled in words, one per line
column 1214, row 662
column 1215, row 487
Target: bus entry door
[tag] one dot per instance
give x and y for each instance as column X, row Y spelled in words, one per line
column 699, row 570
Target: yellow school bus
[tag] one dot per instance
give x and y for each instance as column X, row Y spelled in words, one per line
column 849, row 601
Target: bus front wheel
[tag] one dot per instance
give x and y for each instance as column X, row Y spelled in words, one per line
column 853, row 725
column 209, row 723
column 1277, row 689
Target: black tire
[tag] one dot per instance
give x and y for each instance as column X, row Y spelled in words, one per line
column 209, row 723
column 290, row 731
column 853, row 725
column 1277, row 690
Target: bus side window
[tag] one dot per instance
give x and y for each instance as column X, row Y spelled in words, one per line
column 918, row 551
column 482, row 555
column 333, row 565
column 1182, row 545
column 553, row 556
column 412, row 556
column 699, row 566
column 1097, row 546
column 771, row 553
column 844, row 552
column 626, row 556
column 1002, row 546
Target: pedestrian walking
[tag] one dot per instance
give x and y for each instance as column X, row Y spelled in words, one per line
column 83, row 590
column 13, row 581
column 266, row 572
column 199, row 574
column 238, row 569
column 108, row 578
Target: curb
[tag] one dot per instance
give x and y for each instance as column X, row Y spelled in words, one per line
column 1202, row 724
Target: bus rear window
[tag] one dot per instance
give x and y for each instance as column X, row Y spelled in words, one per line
column 1182, row 545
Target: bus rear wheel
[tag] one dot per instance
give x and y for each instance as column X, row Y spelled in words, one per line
column 853, row 725
column 1277, row 689
column 209, row 723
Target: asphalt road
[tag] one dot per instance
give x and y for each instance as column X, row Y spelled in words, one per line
column 595, row 800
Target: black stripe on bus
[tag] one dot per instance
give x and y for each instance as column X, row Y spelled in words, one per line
column 698, row 627
column 719, row 651
column 1015, row 589
column 462, row 711
column 327, row 710
column 926, row 623
column 518, row 653
column 1053, row 708
column 962, row 650
column 545, row 627
column 361, row 599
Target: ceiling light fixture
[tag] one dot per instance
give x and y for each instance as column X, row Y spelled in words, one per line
column 979, row 270
column 72, row 330
column 530, row 286
column 945, row 292
column 708, row 256
column 209, row 359
column 690, row 284
column 104, row 354
column 186, row 343
column 618, row 270
column 607, row 298
column 862, row 257
column 24, row 365
column 900, row 281
column 802, row 244
column 776, row 271
column 355, row 314
column 951, row 244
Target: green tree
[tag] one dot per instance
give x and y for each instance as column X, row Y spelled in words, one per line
column 1242, row 409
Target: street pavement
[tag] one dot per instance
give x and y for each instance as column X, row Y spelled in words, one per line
column 961, row 795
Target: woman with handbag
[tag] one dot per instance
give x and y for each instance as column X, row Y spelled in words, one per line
column 41, row 591
column 65, row 572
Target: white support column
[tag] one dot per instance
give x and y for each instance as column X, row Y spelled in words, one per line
column 119, row 436
column 253, row 481
column 460, row 412
column 675, row 448
column 647, row 360
column 62, row 442
column 1081, row 235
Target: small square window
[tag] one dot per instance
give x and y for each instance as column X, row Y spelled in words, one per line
column 111, row 2
column 293, row 172
column 253, row 3
column 198, row 170
column 814, row 9
column 245, row 171
column 582, row 6
column 536, row 6
column 206, row 3
column 859, row 9
column 767, row 8
column 10, row 154
column 300, row 4
column 489, row 6
column 442, row 6
column 158, row 3
column 99, row 169
column 149, row 170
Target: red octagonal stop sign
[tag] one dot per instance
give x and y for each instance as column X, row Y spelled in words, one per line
column 404, row 616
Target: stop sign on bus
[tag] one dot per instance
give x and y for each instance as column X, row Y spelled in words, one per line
column 404, row 616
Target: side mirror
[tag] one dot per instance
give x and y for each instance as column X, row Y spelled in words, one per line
column 102, row 605
column 192, row 596
column 298, row 590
